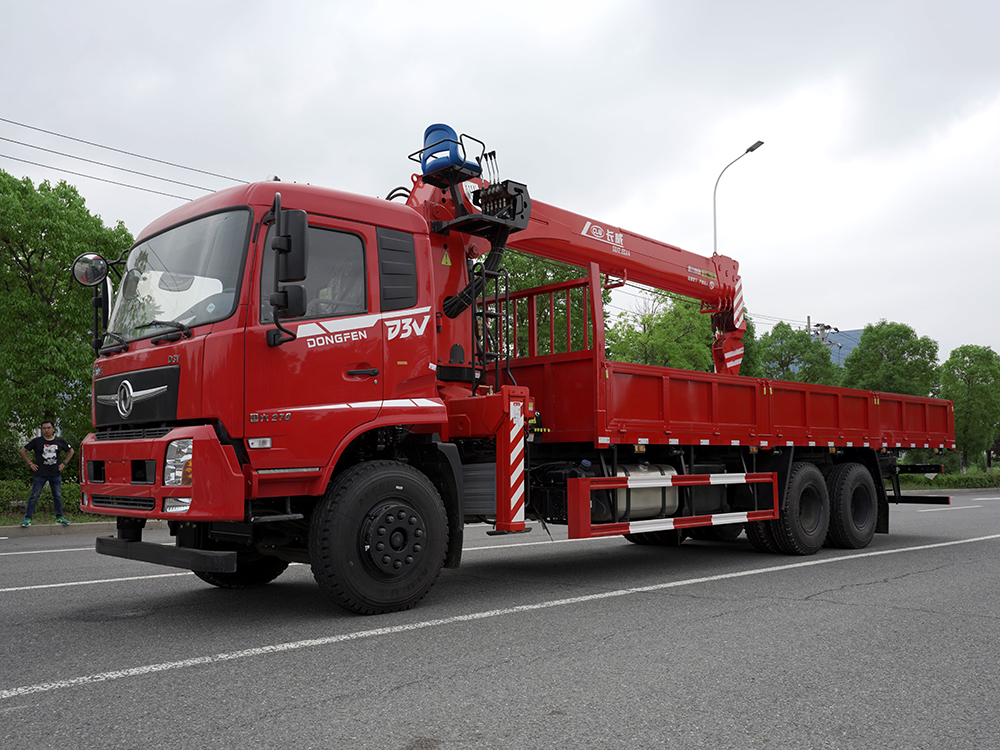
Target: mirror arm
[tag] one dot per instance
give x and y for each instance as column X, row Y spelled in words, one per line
column 98, row 304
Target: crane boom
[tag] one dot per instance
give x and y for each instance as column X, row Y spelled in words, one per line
column 561, row 235
column 557, row 234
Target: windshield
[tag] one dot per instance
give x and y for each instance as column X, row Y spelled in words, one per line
column 188, row 275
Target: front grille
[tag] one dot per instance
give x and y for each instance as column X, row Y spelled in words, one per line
column 138, row 433
column 129, row 503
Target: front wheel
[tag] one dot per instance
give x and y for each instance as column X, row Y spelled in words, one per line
column 252, row 569
column 378, row 538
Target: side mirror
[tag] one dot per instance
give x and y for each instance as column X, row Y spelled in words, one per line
column 291, row 242
column 291, row 251
column 290, row 301
column 90, row 269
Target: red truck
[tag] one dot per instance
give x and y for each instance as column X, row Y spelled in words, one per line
column 295, row 374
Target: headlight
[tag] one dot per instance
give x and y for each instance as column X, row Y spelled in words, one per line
column 177, row 463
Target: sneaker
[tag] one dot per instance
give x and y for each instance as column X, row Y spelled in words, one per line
column 26, row 522
column 63, row 521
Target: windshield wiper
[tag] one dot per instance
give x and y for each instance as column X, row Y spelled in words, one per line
column 169, row 324
column 108, row 349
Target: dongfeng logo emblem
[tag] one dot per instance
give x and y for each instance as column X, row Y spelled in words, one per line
column 126, row 397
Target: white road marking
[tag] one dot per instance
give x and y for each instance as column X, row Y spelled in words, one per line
column 88, row 583
column 954, row 507
column 47, row 551
column 276, row 648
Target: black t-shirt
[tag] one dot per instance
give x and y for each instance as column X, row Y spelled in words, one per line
column 47, row 454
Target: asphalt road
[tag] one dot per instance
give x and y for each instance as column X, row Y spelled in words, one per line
column 531, row 644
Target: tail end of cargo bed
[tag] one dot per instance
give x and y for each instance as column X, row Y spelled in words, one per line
column 921, row 499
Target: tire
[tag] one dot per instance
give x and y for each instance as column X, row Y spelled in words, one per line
column 805, row 513
column 668, row 538
column 638, row 538
column 378, row 539
column 252, row 569
column 761, row 536
column 853, row 506
column 657, row 538
column 728, row 532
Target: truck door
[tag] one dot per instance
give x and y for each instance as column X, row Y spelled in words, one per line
column 305, row 395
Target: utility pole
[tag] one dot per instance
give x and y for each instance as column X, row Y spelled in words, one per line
column 820, row 329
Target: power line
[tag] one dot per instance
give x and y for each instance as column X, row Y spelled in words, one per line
column 672, row 295
column 119, row 151
column 103, row 164
column 92, row 177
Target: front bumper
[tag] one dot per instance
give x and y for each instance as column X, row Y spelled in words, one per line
column 207, row 561
column 125, row 478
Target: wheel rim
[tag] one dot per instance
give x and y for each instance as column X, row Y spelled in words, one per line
column 810, row 509
column 861, row 507
column 392, row 540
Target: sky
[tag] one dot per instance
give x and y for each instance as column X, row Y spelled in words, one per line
column 876, row 194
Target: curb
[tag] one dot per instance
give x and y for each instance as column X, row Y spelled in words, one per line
column 57, row 529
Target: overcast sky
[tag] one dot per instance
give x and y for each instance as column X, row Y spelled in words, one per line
column 876, row 193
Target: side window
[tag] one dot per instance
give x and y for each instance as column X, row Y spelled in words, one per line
column 336, row 281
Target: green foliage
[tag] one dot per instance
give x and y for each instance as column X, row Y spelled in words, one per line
column 751, row 365
column 528, row 272
column 670, row 332
column 891, row 357
column 12, row 466
column 949, row 481
column 785, row 354
column 47, row 374
column 949, row 459
column 14, row 502
column 971, row 378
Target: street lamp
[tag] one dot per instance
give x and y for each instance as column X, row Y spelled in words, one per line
column 715, row 236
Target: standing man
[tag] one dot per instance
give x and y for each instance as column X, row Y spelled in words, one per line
column 47, row 468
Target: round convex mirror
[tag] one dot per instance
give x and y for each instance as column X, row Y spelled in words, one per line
column 90, row 269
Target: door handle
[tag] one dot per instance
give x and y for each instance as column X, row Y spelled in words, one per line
column 373, row 371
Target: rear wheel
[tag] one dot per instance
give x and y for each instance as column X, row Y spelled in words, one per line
column 761, row 536
column 668, row 538
column 853, row 506
column 805, row 514
column 729, row 532
column 378, row 538
column 638, row 538
column 252, row 569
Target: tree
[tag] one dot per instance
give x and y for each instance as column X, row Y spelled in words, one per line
column 47, row 369
column 971, row 378
column 750, row 367
column 668, row 331
column 785, row 354
column 529, row 271
column 891, row 357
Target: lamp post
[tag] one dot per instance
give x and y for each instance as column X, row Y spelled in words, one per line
column 715, row 235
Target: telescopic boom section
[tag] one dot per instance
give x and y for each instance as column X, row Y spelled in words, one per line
column 564, row 236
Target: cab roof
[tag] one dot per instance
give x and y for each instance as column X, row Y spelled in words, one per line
column 310, row 198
